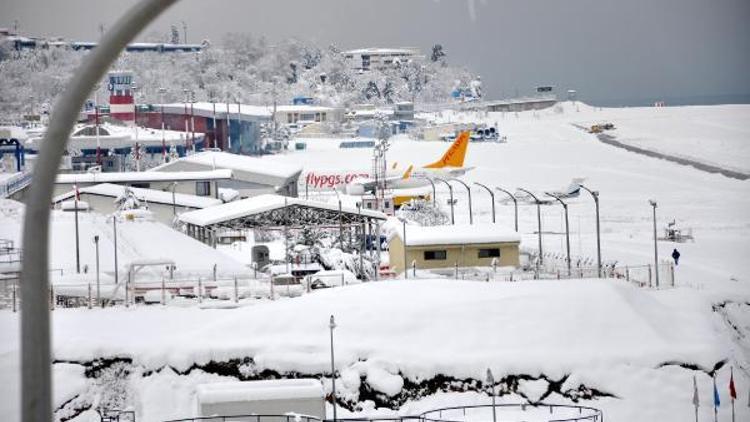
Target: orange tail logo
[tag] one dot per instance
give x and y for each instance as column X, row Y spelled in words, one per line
column 454, row 157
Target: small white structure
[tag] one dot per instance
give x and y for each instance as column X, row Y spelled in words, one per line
column 274, row 397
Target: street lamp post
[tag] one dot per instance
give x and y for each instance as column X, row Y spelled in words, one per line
column 341, row 222
column 492, row 197
column 450, row 190
column 332, row 326
column 114, row 231
column 434, row 191
column 162, row 91
column 515, row 204
column 567, row 229
column 656, row 247
column 78, row 249
column 491, row 383
column 595, row 194
column 540, row 261
column 174, row 200
column 468, row 190
column 185, row 91
column 98, row 291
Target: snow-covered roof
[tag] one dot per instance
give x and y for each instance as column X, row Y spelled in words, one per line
column 206, row 109
column 148, row 195
column 303, row 108
column 383, row 51
column 233, row 391
column 244, row 163
column 457, row 235
column 144, row 176
column 260, row 204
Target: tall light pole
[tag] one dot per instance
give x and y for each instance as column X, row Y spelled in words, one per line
column 185, row 91
column 98, row 291
column 78, row 249
column 468, row 190
column 595, row 194
column 492, row 197
column 162, row 91
column 567, row 229
column 491, row 383
column 656, row 247
column 114, row 231
column 540, row 261
column 434, row 191
column 332, row 326
column 450, row 189
column 341, row 222
column 192, row 120
column 174, row 200
column 213, row 104
column 515, row 204
column 184, row 30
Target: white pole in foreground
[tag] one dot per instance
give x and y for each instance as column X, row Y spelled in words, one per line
column 36, row 380
column 332, row 325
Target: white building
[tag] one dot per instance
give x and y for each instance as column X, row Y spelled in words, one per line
column 251, row 176
column 163, row 205
column 302, row 114
column 381, row 58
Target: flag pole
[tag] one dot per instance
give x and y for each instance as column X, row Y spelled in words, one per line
column 696, row 401
column 716, row 399
column 732, row 391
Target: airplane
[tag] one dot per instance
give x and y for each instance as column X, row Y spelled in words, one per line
column 450, row 165
column 572, row 191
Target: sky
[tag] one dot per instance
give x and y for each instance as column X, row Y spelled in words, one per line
column 626, row 52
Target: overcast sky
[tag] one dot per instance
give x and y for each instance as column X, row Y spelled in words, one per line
column 610, row 51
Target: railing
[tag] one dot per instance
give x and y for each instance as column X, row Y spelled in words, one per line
column 503, row 412
column 251, row 418
column 539, row 412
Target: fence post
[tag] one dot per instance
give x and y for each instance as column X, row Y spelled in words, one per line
column 649, row 275
column 558, row 274
column 671, row 272
column 414, row 268
column 627, row 273
column 236, row 292
column 88, row 302
column 343, row 283
column 163, row 293
column 200, row 290
column 273, row 294
column 456, row 267
column 511, row 276
column 15, row 308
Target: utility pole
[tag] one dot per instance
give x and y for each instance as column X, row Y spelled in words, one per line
column 595, row 194
column 656, row 247
column 184, row 30
column 78, row 249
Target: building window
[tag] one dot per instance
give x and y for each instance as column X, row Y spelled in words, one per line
column 203, row 188
column 323, row 117
column 289, row 118
column 435, row 255
column 489, row 253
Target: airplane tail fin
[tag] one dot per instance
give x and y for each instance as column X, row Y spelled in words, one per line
column 454, row 157
column 407, row 174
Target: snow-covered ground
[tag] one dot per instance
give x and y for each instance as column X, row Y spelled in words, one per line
column 603, row 335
